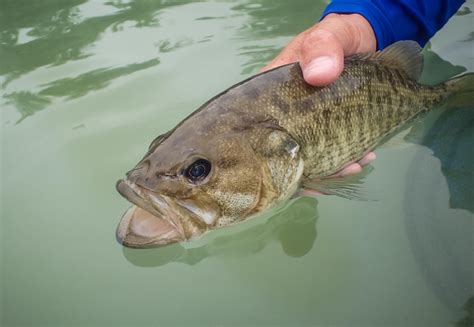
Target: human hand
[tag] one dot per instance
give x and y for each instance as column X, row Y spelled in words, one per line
column 320, row 51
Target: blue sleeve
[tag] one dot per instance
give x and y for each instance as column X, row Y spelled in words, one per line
column 395, row 20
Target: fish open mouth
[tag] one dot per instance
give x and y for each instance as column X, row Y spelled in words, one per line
column 150, row 222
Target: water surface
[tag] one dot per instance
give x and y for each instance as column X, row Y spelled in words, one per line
column 86, row 85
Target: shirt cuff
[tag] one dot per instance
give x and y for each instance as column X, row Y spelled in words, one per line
column 382, row 28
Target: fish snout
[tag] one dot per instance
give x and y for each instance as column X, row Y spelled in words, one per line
column 142, row 176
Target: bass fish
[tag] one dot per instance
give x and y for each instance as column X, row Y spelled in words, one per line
column 255, row 144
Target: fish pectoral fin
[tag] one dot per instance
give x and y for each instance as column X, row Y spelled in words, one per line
column 349, row 187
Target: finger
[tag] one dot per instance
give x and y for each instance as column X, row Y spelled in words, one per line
column 288, row 55
column 322, row 57
column 308, row 192
column 351, row 169
column 369, row 157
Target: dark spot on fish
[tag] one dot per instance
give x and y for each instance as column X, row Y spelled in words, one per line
column 347, row 114
column 401, row 104
column 225, row 163
column 400, row 78
column 388, row 99
column 334, row 94
column 360, row 112
column 306, row 104
column 348, row 123
column 326, row 120
column 407, row 83
column 409, row 102
column 326, row 113
column 379, row 74
column 378, row 100
column 391, row 80
column 390, row 111
column 426, row 100
column 367, row 70
column 321, row 96
column 252, row 93
column 280, row 103
column 369, row 93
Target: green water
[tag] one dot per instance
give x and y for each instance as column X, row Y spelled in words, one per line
column 86, row 85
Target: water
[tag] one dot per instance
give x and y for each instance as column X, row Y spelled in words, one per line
column 86, row 85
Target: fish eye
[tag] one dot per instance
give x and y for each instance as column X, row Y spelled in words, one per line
column 198, row 170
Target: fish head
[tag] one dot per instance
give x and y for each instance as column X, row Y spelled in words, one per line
column 189, row 183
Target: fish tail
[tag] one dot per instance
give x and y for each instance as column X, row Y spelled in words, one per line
column 461, row 91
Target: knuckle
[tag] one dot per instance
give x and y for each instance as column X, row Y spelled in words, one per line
column 321, row 35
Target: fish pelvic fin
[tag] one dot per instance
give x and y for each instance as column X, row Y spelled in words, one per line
column 461, row 90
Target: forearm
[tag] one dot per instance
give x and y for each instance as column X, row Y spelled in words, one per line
column 394, row 20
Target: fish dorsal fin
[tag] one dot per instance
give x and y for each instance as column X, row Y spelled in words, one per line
column 403, row 55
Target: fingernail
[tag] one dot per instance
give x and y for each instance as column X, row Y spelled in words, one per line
column 318, row 66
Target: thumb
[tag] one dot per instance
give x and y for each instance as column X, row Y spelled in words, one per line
column 321, row 57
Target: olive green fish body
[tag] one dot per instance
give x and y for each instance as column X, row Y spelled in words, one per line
column 254, row 144
column 340, row 123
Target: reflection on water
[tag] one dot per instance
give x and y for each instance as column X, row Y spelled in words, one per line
column 468, row 320
column 269, row 20
column 59, row 33
column 56, row 37
column 441, row 237
column 92, row 81
column 27, row 103
column 258, row 55
column 437, row 70
column 450, row 136
column 463, row 11
column 439, row 219
column 294, row 228
column 275, row 18
column 451, row 140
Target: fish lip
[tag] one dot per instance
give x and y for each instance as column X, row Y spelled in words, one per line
column 135, row 194
column 145, row 200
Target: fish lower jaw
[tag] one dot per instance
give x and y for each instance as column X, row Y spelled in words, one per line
column 150, row 222
column 140, row 229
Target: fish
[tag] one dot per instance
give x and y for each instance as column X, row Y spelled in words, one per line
column 256, row 144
